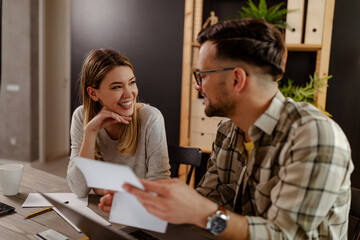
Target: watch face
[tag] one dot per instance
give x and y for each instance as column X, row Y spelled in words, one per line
column 218, row 225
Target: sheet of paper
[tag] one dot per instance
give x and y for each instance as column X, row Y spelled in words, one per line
column 106, row 175
column 126, row 209
column 36, row 200
column 50, row 234
column 80, row 204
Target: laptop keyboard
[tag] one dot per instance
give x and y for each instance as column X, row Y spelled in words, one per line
column 138, row 234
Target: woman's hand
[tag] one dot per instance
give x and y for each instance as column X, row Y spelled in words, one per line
column 105, row 118
column 106, row 200
column 100, row 191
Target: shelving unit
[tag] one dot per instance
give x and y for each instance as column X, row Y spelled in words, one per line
column 303, row 47
column 196, row 129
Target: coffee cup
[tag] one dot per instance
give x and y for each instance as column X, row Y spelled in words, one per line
column 10, row 178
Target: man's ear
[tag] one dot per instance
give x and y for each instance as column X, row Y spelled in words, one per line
column 240, row 78
column 92, row 93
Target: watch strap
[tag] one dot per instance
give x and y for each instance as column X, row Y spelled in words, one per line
column 222, row 209
column 208, row 224
column 217, row 222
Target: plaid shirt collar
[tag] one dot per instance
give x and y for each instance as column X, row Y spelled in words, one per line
column 234, row 132
column 265, row 123
column 269, row 119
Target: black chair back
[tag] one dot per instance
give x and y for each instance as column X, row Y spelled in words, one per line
column 184, row 155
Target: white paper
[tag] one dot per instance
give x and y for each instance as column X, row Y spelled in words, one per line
column 126, row 209
column 79, row 204
column 106, row 175
column 50, row 234
column 36, row 200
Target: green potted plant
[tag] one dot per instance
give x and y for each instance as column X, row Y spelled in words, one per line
column 305, row 93
column 274, row 15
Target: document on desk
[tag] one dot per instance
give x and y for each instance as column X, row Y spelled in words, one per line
column 80, row 204
column 126, row 209
column 36, row 200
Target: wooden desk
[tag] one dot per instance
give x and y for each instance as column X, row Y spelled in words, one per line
column 15, row 226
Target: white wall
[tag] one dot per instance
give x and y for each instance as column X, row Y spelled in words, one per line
column 35, row 89
column 54, row 79
column 18, row 103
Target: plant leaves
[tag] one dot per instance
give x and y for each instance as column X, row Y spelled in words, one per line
column 274, row 8
column 252, row 6
column 263, row 7
column 274, row 15
column 304, row 93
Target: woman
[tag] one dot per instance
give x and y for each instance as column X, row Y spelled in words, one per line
column 111, row 126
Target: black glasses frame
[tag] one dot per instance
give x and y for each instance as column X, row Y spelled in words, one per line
column 198, row 77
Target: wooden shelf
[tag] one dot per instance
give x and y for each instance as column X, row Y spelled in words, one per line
column 193, row 24
column 195, row 44
column 303, row 47
column 291, row 47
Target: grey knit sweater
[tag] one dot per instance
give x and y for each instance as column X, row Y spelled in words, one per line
column 150, row 160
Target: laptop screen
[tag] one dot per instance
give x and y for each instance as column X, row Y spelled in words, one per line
column 91, row 228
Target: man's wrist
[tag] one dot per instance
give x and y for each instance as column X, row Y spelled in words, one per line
column 211, row 208
column 217, row 222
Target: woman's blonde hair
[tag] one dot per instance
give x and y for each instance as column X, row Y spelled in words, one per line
column 96, row 65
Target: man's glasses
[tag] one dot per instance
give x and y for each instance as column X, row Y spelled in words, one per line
column 198, row 77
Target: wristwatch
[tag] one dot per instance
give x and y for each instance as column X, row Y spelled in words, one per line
column 217, row 222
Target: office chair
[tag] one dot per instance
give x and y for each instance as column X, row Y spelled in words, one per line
column 355, row 211
column 184, row 155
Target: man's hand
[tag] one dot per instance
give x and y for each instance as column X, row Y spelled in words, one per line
column 106, row 200
column 173, row 201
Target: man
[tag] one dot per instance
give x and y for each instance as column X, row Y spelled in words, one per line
column 280, row 168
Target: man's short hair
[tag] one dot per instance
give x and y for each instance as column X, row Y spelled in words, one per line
column 253, row 41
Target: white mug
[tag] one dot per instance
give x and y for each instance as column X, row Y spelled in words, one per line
column 10, row 178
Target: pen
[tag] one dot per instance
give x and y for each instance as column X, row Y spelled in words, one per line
column 38, row 212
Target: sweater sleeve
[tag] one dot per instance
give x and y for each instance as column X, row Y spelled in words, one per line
column 157, row 159
column 75, row 178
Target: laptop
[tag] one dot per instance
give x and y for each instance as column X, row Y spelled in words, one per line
column 95, row 231
column 91, row 228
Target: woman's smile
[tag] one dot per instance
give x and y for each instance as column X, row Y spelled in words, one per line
column 126, row 105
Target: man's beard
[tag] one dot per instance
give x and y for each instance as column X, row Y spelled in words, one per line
column 223, row 108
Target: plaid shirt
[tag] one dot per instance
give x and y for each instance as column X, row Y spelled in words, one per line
column 295, row 185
